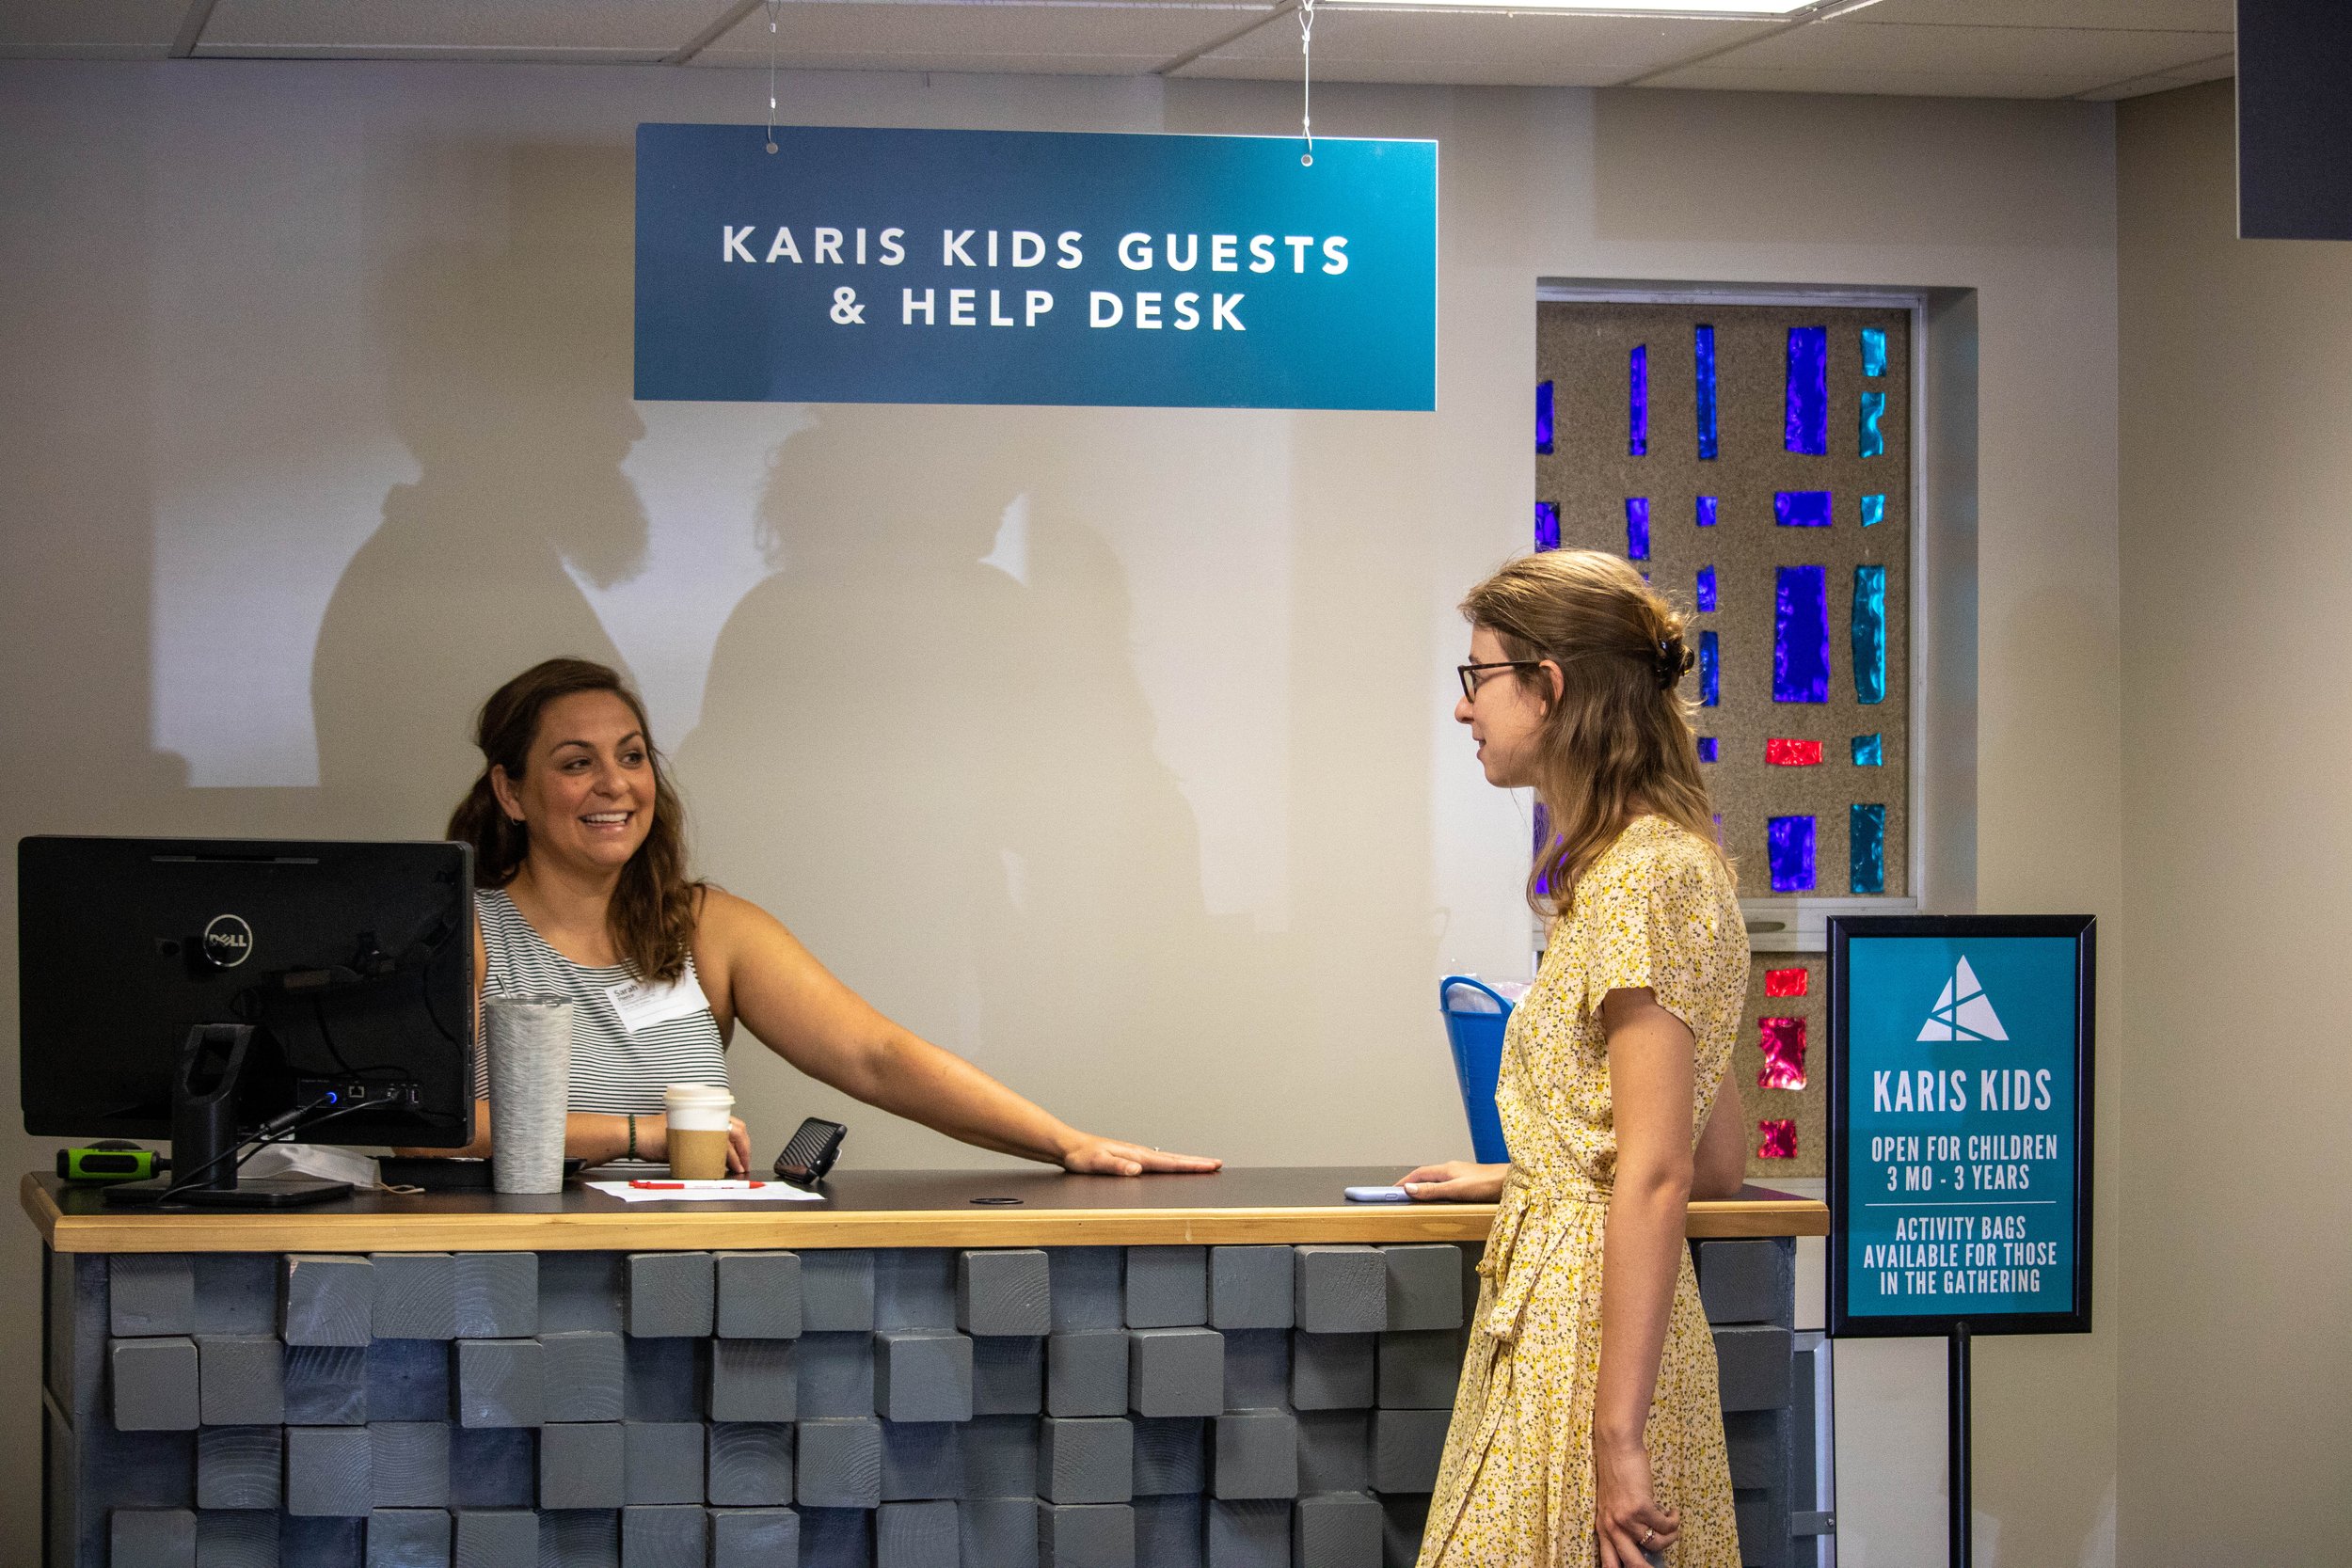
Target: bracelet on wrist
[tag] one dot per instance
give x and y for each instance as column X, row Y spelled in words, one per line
column 633, row 1134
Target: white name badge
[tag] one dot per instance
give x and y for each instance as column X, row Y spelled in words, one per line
column 642, row 1005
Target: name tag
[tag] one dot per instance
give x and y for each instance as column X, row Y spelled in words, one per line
column 642, row 1005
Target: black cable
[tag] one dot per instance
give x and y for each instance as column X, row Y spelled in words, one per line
column 276, row 1129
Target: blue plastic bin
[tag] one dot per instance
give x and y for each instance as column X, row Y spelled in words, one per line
column 1477, row 1041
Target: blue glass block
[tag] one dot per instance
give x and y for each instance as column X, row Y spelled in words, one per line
column 1707, row 511
column 1706, row 590
column 1543, row 419
column 1874, row 351
column 1870, row 634
column 1711, row 674
column 1802, row 508
column 1547, row 525
column 1808, row 390
column 1873, row 410
column 1637, row 401
column 1801, row 634
column 1703, row 356
column 1873, row 511
column 1788, row 845
column 1866, row 849
column 1869, row 751
column 1543, row 842
column 1706, row 748
column 1637, row 527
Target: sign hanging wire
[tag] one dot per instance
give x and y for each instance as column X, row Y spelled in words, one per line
column 1307, row 80
column 773, row 6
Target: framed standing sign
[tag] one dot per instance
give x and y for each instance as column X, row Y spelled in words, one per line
column 1959, row 1125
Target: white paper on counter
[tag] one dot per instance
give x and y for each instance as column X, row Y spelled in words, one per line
column 695, row 1192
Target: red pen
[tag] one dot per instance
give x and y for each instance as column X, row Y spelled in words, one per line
column 669, row 1186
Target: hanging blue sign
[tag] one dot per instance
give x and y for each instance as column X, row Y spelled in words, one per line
column 1030, row 267
column 1960, row 1124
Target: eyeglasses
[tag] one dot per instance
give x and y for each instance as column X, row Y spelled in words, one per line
column 1470, row 677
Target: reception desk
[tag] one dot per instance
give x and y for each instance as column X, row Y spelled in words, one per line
column 926, row 1369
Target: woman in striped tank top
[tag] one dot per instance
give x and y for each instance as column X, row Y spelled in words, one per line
column 583, row 892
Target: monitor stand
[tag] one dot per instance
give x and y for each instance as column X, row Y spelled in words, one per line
column 204, row 1134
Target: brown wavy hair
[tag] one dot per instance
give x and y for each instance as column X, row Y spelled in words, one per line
column 651, row 918
column 1620, row 737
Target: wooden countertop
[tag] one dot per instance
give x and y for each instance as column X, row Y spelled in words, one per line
column 861, row 1208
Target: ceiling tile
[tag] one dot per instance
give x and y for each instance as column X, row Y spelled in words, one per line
column 457, row 29
column 2165, row 80
column 2002, row 62
column 2207, row 16
column 1475, row 48
column 90, row 29
column 1056, row 36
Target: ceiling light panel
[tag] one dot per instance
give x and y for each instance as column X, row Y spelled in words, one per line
column 996, row 36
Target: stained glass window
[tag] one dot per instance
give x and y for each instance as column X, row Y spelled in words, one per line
column 1637, row 529
column 1782, row 1040
column 1870, row 634
column 1874, row 351
column 1788, row 848
column 1866, row 849
column 1706, row 511
column 1873, row 414
column 1706, row 748
column 1637, row 401
column 1873, row 511
column 1776, row 1138
column 1869, row 751
column 1547, row 525
column 1711, row 671
column 1801, row 635
column 1807, row 415
column 1703, row 364
column 1792, row 754
column 1706, row 590
column 1543, row 419
column 1786, row 982
column 1802, row 508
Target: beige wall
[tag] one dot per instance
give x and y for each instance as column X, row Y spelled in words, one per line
column 2234, row 1398
column 314, row 426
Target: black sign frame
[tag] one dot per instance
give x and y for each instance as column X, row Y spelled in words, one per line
column 2082, row 930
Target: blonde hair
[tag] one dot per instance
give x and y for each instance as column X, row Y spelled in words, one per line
column 1619, row 739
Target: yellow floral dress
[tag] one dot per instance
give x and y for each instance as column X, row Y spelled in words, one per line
column 1657, row 911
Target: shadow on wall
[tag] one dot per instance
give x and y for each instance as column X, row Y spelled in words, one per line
column 924, row 746
column 508, row 378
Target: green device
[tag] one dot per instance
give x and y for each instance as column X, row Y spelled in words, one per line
column 111, row 1161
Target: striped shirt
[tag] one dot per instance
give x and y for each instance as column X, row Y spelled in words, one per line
column 614, row 1071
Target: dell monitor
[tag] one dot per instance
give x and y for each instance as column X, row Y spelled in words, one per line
column 219, row 991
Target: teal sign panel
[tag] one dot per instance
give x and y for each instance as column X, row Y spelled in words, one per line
column 1027, row 267
column 1960, row 1124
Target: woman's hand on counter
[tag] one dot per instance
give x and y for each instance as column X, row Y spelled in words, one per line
column 1455, row 1182
column 1089, row 1155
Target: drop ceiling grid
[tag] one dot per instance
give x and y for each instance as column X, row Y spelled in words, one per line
column 1475, row 48
column 1001, row 36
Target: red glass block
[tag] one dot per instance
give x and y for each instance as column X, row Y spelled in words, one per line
column 1783, row 1054
column 1785, row 982
column 1793, row 754
column 1779, row 1140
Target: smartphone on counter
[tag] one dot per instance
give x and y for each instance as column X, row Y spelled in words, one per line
column 1378, row 1195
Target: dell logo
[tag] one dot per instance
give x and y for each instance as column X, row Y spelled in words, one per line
column 228, row 942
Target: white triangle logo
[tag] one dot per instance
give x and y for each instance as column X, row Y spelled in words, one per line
column 1962, row 1012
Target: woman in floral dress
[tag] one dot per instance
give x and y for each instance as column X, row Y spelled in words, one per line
column 1587, row 1428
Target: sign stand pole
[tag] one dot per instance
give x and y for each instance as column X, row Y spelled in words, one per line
column 1957, row 1416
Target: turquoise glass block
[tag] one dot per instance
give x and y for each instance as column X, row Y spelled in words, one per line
column 1703, row 357
column 1707, row 511
column 1788, row 849
column 1873, row 410
column 1807, row 417
column 1802, row 508
column 1547, row 526
column 1637, row 529
column 1801, row 634
column 1706, row 590
column 1869, row 751
column 1874, row 351
column 1637, row 401
column 1870, row 634
column 1710, row 671
column 1706, row 748
column 1866, row 849
column 1543, row 419
column 1873, row 511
